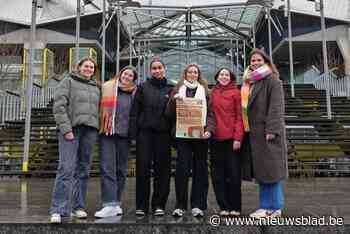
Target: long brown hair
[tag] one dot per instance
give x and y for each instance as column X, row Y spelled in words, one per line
column 201, row 81
column 81, row 61
column 232, row 75
column 132, row 68
column 267, row 60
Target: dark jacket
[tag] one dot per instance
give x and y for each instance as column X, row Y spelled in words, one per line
column 122, row 119
column 267, row 161
column 226, row 105
column 149, row 105
column 171, row 112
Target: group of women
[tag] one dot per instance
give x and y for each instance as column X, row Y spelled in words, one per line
column 243, row 128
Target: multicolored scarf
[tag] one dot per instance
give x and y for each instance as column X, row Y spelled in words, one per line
column 108, row 105
column 249, row 78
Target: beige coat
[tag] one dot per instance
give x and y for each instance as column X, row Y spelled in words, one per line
column 266, row 161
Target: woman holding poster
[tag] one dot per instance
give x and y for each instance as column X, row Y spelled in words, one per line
column 192, row 147
column 224, row 148
column 264, row 149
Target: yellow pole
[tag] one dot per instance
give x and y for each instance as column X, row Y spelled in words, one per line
column 70, row 59
column 44, row 68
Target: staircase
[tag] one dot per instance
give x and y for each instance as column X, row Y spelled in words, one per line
column 317, row 145
column 43, row 143
column 43, row 154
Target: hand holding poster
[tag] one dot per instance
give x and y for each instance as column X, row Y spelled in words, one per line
column 189, row 118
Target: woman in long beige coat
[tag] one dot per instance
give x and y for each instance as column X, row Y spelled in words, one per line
column 264, row 150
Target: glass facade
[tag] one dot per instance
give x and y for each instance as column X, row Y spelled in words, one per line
column 211, row 34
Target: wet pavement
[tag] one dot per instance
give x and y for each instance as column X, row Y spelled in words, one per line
column 27, row 200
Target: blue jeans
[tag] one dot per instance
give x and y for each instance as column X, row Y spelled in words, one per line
column 73, row 170
column 113, row 167
column 271, row 196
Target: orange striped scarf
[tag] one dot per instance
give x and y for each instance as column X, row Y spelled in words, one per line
column 108, row 104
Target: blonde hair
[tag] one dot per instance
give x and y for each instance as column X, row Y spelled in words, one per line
column 202, row 81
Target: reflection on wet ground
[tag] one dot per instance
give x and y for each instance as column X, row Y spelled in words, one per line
column 27, row 200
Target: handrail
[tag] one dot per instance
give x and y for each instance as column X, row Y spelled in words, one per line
column 11, row 101
column 12, row 93
column 10, row 106
column 339, row 87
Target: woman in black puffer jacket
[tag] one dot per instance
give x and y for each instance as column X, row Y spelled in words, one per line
column 152, row 131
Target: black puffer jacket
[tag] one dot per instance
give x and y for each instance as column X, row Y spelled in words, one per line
column 149, row 106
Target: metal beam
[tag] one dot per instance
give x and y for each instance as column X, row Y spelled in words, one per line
column 117, row 55
column 77, row 33
column 325, row 60
column 195, row 38
column 29, row 89
column 269, row 32
column 103, row 68
column 152, row 27
column 240, row 18
column 224, row 26
column 291, row 63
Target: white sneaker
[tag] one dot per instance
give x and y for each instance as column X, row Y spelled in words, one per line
column 224, row 213
column 274, row 213
column 159, row 212
column 196, row 212
column 140, row 213
column 260, row 213
column 178, row 213
column 119, row 210
column 80, row 214
column 234, row 213
column 107, row 211
column 55, row 218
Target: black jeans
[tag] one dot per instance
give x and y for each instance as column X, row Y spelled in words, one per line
column 152, row 146
column 192, row 154
column 226, row 175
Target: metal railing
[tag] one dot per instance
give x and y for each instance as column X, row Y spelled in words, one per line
column 339, row 87
column 42, row 96
column 10, row 106
column 10, row 102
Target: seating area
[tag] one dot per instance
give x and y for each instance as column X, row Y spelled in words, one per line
column 317, row 146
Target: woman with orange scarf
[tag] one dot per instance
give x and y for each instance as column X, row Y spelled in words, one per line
column 116, row 102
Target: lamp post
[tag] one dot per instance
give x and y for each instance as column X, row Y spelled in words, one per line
column 118, row 6
column 320, row 7
column 77, row 33
column 325, row 60
column 268, row 12
column 117, row 55
column 29, row 89
column 291, row 63
column 103, row 67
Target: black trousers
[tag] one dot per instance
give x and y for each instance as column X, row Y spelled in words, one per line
column 152, row 150
column 192, row 155
column 226, row 175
